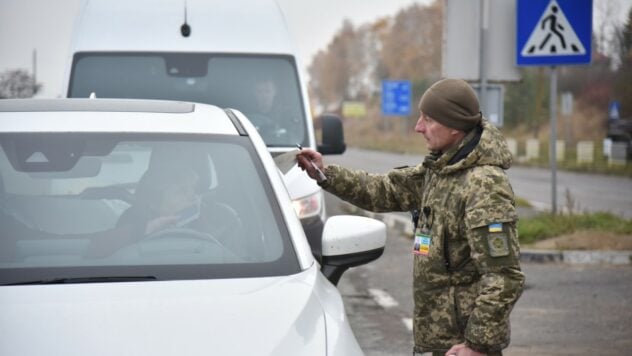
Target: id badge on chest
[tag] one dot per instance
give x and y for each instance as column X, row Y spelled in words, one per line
column 423, row 235
column 422, row 243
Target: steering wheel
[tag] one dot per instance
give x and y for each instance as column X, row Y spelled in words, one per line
column 225, row 219
column 184, row 232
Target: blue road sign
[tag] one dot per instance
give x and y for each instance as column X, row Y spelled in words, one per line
column 396, row 97
column 613, row 110
column 553, row 32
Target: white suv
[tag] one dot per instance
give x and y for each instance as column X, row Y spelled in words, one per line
column 133, row 227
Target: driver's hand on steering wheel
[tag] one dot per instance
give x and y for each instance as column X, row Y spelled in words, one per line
column 161, row 223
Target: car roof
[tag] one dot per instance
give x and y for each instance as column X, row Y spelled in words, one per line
column 236, row 26
column 115, row 115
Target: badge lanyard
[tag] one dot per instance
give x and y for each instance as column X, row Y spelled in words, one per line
column 423, row 235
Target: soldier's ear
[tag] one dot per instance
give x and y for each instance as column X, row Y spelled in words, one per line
column 456, row 133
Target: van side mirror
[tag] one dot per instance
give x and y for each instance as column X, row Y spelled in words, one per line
column 333, row 135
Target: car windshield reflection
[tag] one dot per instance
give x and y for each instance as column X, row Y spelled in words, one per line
column 170, row 206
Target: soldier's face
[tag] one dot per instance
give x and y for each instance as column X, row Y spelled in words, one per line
column 438, row 137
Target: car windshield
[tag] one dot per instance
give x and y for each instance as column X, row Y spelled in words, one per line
column 115, row 205
column 265, row 88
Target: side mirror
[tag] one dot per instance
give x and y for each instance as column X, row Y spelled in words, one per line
column 333, row 135
column 350, row 241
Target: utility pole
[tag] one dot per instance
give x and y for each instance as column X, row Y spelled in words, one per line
column 34, row 64
column 483, row 54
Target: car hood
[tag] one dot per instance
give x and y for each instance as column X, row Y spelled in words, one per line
column 257, row 316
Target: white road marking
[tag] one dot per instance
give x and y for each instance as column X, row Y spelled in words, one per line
column 382, row 298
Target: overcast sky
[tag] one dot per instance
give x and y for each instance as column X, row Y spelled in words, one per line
column 46, row 25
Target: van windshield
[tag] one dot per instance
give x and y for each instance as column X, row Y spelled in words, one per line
column 265, row 88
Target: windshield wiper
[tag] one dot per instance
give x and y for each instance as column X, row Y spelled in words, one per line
column 103, row 279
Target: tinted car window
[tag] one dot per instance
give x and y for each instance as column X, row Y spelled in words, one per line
column 168, row 206
column 265, row 88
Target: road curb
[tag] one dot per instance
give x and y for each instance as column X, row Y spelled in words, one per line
column 541, row 256
column 404, row 225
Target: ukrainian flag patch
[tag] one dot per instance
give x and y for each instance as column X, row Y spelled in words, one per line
column 497, row 227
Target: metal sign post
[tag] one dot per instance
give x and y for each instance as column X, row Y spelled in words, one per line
column 552, row 145
column 483, row 58
column 553, row 32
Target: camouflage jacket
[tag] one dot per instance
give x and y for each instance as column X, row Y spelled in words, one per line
column 468, row 277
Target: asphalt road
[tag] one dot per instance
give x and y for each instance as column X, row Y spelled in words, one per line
column 565, row 310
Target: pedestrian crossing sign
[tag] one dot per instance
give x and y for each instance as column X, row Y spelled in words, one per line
column 553, row 32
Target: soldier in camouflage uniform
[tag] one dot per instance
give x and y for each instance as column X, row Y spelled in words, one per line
column 467, row 276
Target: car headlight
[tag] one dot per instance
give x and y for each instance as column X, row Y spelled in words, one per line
column 308, row 206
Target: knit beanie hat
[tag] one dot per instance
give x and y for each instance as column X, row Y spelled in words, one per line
column 453, row 103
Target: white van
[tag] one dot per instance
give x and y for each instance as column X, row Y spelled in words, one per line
column 235, row 54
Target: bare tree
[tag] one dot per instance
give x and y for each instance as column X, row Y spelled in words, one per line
column 344, row 70
column 412, row 47
column 606, row 18
column 623, row 84
column 407, row 46
column 17, row 83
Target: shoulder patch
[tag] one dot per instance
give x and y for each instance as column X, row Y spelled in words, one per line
column 497, row 240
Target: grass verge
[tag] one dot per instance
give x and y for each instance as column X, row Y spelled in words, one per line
column 545, row 225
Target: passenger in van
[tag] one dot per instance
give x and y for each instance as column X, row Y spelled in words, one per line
column 262, row 112
column 265, row 91
column 269, row 114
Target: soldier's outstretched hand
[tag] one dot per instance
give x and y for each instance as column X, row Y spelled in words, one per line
column 310, row 161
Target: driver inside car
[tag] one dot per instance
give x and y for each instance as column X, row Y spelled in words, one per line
column 170, row 201
column 165, row 198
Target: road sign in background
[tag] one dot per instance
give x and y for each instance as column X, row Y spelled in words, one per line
column 553, row 32
column 495, row 107
column 396, row 97
column 613, row 110
column 462, row 41
column 353, row 109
